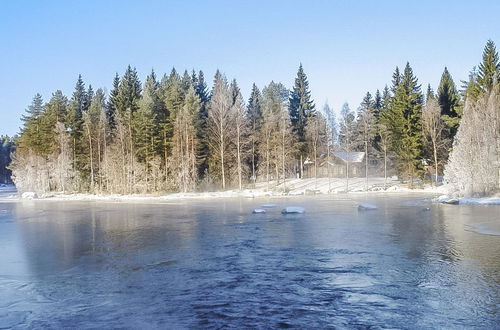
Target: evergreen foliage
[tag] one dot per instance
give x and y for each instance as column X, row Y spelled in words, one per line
column 301, row 108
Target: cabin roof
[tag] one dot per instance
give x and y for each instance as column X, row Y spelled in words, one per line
column 351, row 157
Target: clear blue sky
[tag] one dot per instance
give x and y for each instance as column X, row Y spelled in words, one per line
column 346, row 47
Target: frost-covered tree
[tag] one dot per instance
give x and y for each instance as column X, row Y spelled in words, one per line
column 474, row 164
column 433, row 129
column 239, row 116
column 366, row 130
column 316, row 137
column 347, row 141
column 284, row 140
column 332, row 137
column 185, row 143
column 220, row 126
column 274, row 98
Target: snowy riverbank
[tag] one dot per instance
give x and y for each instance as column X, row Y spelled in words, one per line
column 446, row 199
column 292, row 187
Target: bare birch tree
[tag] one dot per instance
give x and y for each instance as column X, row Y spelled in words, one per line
column 347, row 141
column 185, row 143
column 220, row 128
column 240, row 125
column 433, row 127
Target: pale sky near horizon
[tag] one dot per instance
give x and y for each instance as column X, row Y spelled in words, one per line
column 346, row 47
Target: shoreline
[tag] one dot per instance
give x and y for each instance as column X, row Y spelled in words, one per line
column 295, row 188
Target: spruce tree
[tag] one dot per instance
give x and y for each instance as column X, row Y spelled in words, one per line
column 31, row 132
column 301, row 108
column 254, row 113
column 76, row 107
column 74, row 123
column 112, row 103
column 235, row 91
column 430, row 93
column 146, row 129
column 185, row 83
column 377, row 104
column 173, row 94
column 396, row 80
column 129, row 92
column 57, row 107
column 404, row 121
column 449, row 102
column 200, row 88
column 386, row 98
column 489, row 69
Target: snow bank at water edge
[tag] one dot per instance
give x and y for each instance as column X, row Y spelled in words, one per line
column 445, row 199
column 292, row 187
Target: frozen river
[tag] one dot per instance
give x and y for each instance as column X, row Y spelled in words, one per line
column 213, row 264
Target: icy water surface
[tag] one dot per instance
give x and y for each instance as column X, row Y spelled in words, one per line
column 214, row 264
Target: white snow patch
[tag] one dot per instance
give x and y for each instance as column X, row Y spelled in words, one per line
column 445, row 199
column 29, row 195
column 480, row 201
column 292, row 187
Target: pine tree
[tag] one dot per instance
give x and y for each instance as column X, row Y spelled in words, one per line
column 489, row 69
column 301, row 108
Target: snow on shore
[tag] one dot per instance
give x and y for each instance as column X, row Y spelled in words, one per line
column 292, row 187
column 446, row 199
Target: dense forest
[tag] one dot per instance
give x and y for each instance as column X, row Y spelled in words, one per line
column 174, row 134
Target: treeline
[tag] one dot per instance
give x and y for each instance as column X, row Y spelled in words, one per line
column 7, row 147
column 174, row 134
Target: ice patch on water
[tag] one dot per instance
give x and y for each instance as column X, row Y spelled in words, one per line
column 12, row 319
column 293, row 210
column 268, row 206
column 366, row 207
column 485, row 228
